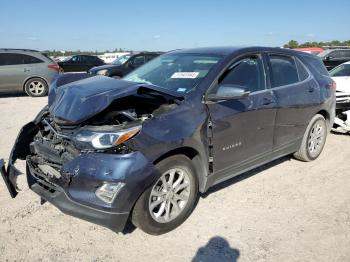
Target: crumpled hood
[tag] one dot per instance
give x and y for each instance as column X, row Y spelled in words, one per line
column 78, row 101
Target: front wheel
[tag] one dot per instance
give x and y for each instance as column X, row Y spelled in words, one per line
column 170, row 200
column 314, row 139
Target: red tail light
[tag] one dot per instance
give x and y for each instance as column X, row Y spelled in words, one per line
column 55, row 67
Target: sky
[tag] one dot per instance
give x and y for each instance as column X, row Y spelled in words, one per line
column 166, row 25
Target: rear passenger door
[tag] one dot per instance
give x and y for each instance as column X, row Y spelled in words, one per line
column 91, row 61
column 297, row 94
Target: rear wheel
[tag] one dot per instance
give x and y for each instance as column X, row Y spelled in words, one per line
column 314, row 139
column 170, row 200
column 36, row 87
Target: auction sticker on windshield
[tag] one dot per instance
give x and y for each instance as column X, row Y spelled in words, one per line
column 185, row 75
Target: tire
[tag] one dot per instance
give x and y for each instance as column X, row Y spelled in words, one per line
column 151, row 209
column 314, row 139
column 36, row 87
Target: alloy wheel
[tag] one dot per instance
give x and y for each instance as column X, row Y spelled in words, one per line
column 36, row 87
column 169, row 196
column 316, row 138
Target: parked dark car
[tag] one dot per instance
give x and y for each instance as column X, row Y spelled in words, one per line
column 334, row 57
column 25, row 70
column 80, row 63
column 119, row 70
column 142, row 148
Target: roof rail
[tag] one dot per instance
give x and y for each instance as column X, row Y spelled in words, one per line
column 336, row 47
column 18, row 49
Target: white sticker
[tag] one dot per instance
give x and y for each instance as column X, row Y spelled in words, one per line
column 185, row 75
column 181, row 89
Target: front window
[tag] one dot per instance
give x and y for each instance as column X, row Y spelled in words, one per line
column 121, row 60
column 67, row 58
column 176, row 72
column 342, row 70
column 247, row 74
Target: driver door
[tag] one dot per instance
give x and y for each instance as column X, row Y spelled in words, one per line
column 135, row 62
column 243, row 128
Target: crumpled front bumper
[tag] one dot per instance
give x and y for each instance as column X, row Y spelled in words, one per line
column 76, row 196
column 11, row 187
column 342, row 119
column 113, row 220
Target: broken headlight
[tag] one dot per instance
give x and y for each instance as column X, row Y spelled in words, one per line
column 104, row 140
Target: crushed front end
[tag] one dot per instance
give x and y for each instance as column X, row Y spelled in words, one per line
column 64, row 168
column 342, row 119
column 79, row 150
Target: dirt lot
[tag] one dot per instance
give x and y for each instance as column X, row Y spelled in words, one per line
column 285, row 211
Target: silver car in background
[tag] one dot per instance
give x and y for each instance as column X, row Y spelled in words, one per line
column 26, row 70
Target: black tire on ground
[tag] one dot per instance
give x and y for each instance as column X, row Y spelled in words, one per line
column 141, row 215
column 36, row 87
column 314, row 139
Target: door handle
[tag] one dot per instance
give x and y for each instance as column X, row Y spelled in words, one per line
column 26, row 70
column 267, row 101
column 311, row 89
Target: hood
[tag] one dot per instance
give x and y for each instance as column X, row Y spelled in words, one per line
column 78, row 101
column 98, row 68
column 343, row 83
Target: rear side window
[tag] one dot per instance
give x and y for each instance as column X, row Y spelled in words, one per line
column 90, row 59
column 17, row 59
column 303, row 74
column 346, row 53
column 284, row 70
column 27, row 59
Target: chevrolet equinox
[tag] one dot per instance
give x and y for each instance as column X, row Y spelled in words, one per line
column 144, row 147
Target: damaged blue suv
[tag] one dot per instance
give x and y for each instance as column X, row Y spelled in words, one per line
column 144, row 147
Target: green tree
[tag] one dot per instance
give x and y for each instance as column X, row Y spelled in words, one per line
column 292, row 44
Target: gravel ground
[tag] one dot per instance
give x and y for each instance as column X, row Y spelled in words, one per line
column 285, row 211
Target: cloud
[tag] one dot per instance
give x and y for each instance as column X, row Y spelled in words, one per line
column 32, row 38
column 270, row 34
column 156, row 36
column 310, row 35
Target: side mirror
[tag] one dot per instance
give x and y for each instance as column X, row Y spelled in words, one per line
column 227, row 92
column 328, row 58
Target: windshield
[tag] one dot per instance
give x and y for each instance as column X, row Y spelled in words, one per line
column 175, row 72
column 121, row 60
column 342, row 70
